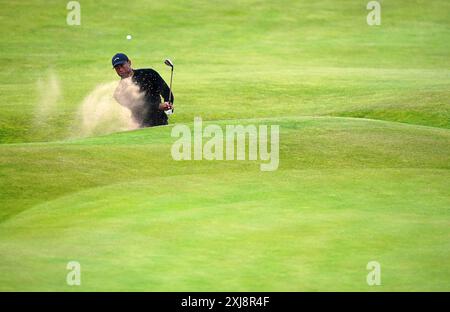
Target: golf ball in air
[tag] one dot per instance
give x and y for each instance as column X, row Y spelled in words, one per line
column 129, row 37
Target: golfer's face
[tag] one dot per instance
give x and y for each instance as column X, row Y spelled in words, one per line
column 123, row 70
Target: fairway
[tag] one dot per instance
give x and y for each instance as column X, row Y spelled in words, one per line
column 364, row 147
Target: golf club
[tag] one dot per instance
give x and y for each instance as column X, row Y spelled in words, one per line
column 170, row 64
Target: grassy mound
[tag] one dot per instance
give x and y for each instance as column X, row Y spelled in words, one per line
column 348, row 191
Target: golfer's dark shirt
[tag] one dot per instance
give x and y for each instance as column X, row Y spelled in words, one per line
column 153, row 86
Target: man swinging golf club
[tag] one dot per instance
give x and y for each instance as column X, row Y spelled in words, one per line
column 149, row 111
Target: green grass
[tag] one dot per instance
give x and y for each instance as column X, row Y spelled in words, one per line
column 364, row 174
column 234, row 59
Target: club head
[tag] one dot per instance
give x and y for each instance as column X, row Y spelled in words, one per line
column 168, row 63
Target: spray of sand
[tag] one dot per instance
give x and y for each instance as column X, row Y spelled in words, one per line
column 128, row 95
column 100, row 112
column 49, row 93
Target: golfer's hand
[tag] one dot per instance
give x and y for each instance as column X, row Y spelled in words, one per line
column 165, row 106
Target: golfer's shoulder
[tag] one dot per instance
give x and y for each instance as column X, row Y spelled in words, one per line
column 146, row 72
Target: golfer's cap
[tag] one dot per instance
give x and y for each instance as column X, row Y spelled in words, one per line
column 119, row 59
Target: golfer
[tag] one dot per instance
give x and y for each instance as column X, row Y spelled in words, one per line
column 151, row 112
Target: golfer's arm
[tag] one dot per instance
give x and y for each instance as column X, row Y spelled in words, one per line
column 165, row 90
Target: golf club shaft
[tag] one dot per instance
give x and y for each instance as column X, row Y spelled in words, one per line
column 170, row 85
